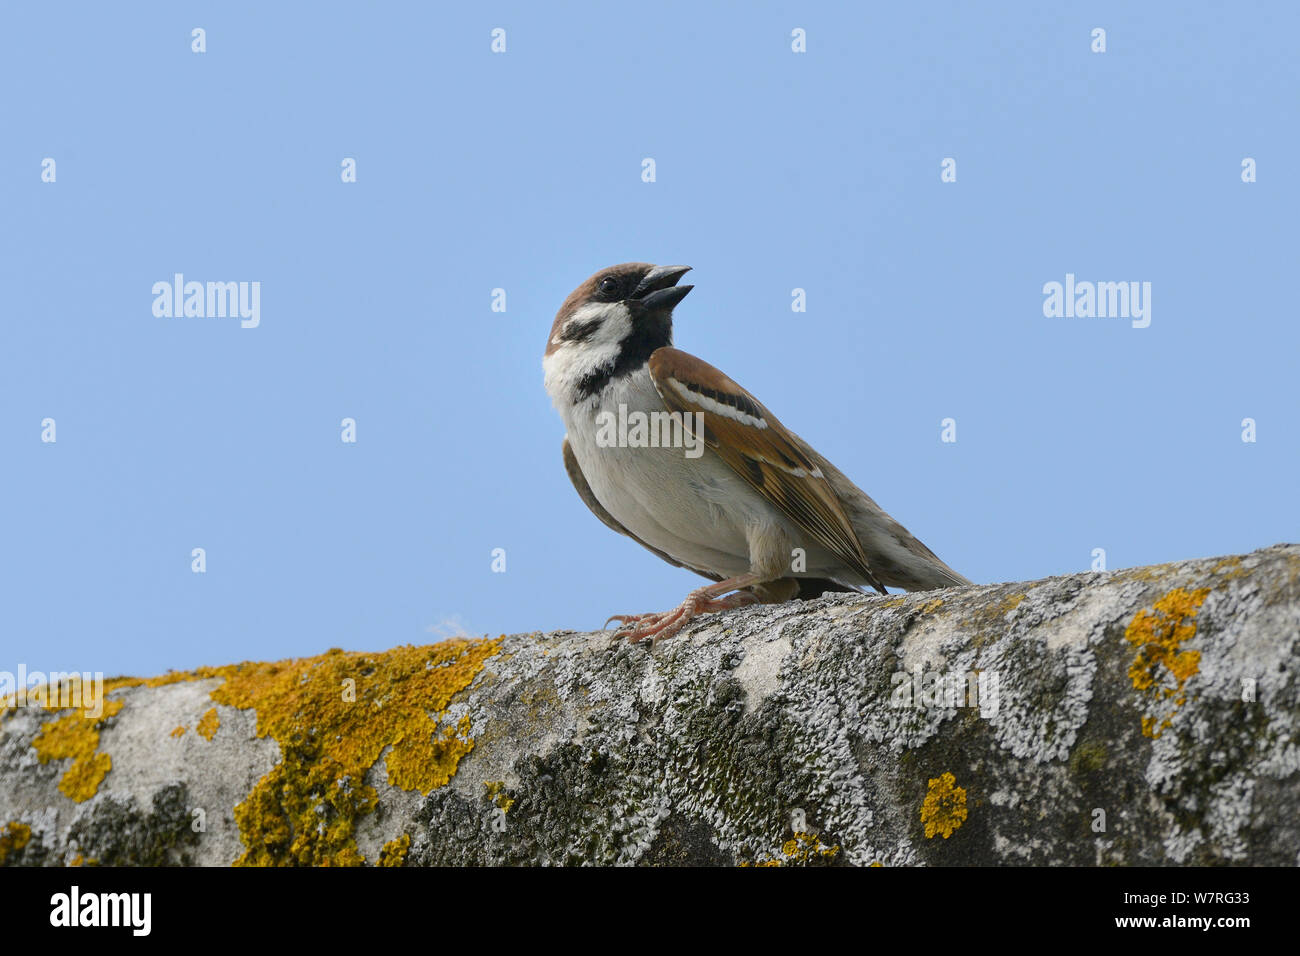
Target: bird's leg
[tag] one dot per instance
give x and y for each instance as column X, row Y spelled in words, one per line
column 700, row 601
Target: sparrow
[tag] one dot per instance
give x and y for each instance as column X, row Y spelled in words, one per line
column 736, row 496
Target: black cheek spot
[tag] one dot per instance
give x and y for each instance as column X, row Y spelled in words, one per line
column 579, row 332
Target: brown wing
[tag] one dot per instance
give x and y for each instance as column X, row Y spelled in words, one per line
column 757, row 446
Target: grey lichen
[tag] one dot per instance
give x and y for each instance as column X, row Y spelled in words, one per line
column 1149, row 716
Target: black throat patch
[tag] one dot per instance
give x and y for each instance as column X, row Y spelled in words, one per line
column 649, row 332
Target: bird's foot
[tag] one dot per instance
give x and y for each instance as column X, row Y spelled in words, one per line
column 669, row 623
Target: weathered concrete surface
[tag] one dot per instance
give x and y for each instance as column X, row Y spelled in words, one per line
column 1146, row 716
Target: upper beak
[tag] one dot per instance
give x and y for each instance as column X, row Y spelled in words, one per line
column 659, row 288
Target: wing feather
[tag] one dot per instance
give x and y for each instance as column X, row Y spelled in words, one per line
column 751, row 440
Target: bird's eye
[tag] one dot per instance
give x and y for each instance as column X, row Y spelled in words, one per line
column 608, row 285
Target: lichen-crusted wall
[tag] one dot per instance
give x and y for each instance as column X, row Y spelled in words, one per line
column 1146, row 716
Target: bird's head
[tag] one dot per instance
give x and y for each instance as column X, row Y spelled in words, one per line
column 609, row 325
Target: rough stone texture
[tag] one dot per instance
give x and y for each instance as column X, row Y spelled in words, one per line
column 1145, row 716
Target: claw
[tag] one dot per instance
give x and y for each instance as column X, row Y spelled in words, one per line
column 660, row 626
column 623, row 620
column 700, row 601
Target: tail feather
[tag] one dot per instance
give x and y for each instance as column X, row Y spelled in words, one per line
column 897, row 558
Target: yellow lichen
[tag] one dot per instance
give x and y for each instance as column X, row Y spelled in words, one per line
column 208, row 724
column 82, row 780
column 987, row 620
column 304, row 810
column 1228, row 568
column 13, row 837
column 76, row 736
column 1010, row 603
column 944, row 809
column 394, row 851
column 1149, row 573
column 1162, row 668
column 931, row 606
column 801, row 848
column 496, row 793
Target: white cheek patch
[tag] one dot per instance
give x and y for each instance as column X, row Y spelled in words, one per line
column 612, row 320
column 574, row 360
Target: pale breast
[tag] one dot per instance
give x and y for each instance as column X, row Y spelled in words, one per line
column 681, row 499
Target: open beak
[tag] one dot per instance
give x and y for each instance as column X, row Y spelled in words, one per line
column 659, row 288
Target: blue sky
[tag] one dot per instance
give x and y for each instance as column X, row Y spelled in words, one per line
column 521, row 170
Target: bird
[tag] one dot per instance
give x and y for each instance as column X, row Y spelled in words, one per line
column 729, row 492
